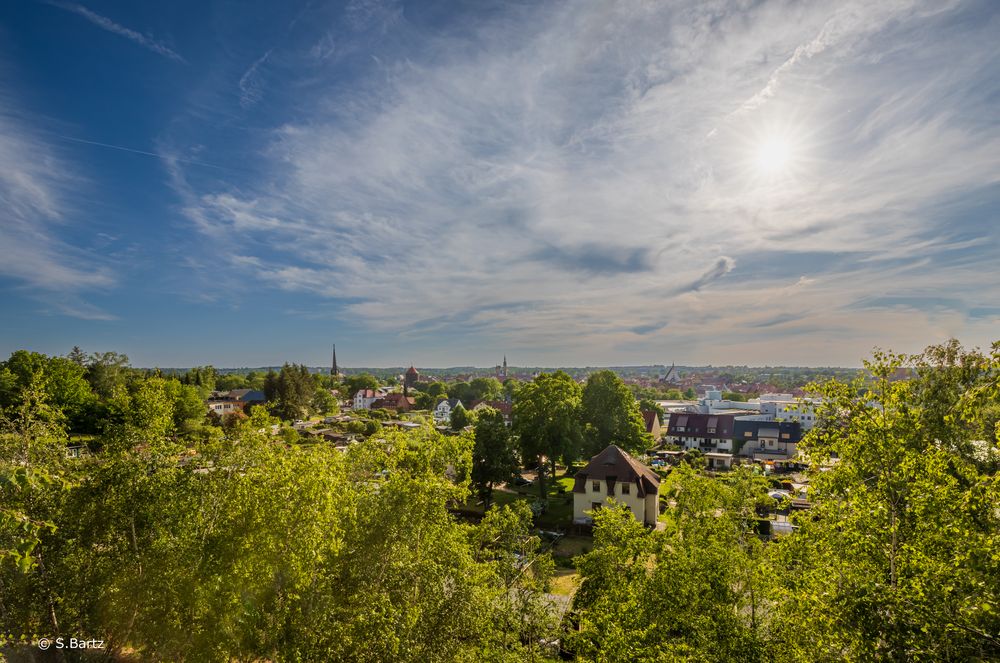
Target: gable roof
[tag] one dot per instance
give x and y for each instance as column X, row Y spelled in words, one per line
column 247, row 395
column 701, row 425
column 649, row 417
column 614, row 464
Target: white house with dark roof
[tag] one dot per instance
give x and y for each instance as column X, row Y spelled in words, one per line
column 444, row 408
column 615, row 475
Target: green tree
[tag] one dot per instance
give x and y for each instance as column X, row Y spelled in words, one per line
column 62, row 381
column 460, row 418
column 546, row 417
column 696, row 590
column 437, row 389
column 356, row 383
column 493, row 456
column 488, row 389
column 647, row 405
column 323, row 402
column 290, row 392
column 106, row 371
column 610, row 415
column 903, row 520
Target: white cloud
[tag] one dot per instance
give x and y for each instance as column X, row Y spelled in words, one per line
column 34, row 186
column 251, row 86
column 146, row 41
column 582, row 172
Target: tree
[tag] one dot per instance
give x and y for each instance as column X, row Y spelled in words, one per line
column 610, row 415
column 546, row 415
column 437, row 389
column 323, row 402
column 204, row 378
column 460, row 418
column 106, row 371
column 696, row 590
column 77, row 356
column 356, row 383
column 493, row 458
column 60, row 379
column 904, row 521
column 290, row 392
column 647, row 405
column 488, row 389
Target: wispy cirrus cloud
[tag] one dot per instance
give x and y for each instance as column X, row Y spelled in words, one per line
column 34, row 187
column 146, row 41
column 598, row 161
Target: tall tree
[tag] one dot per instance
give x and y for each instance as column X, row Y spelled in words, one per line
column 611, row 415
column 493, row 457
column 356, row 383
column 292, row 392
column 697, row 589
column 904, row 521
column 61, row 380
column 106, row 371
column 546, row 416
column 488, row 389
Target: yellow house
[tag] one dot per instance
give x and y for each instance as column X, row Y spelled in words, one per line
column 614, row 474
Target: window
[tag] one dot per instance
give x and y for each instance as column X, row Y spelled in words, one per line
column 595, row 486
column 680, row 429
column 786, row 436
column 625, row 489
column 748, row 434
column 595, row 505
column 711, row 430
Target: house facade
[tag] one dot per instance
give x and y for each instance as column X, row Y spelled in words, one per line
column 768, row 440
column 615, row 475
column 444, row 408
column 709, row 433
column 365, row 397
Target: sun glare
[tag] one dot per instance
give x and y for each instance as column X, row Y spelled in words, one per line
column 774, row 155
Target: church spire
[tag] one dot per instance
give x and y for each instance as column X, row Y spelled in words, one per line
column 333, row 367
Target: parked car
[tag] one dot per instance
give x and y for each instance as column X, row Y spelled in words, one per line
column 521, row 481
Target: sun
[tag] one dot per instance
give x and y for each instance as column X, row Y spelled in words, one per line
column 774, row 155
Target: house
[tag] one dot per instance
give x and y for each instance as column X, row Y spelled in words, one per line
column 395, row 401
column 504, row 407
column 614, row 474
column 770, row 440
column 652, row 420
column 706, row 432
column 224, row 407
column 364, row 398
column 236, row 400
column 248, row 396
column 444, row 408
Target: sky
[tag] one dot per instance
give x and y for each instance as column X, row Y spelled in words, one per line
column 244, row 183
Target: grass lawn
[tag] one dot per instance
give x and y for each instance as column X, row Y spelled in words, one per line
column 565, row 582
column 558, row 515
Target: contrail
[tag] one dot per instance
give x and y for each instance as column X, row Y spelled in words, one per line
column 143, row 152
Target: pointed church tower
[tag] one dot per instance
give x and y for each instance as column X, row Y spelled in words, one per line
column 333, row 367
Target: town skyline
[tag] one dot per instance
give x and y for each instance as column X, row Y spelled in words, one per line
column 435, row 183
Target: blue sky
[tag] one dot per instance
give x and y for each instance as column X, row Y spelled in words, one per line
column 244, row 183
